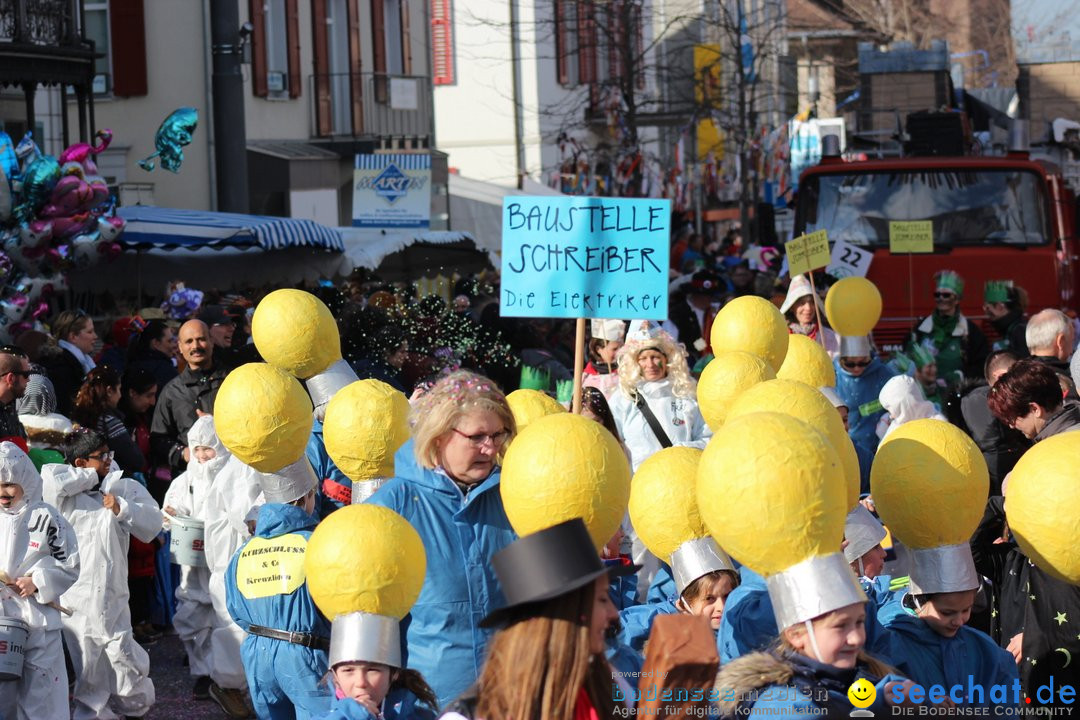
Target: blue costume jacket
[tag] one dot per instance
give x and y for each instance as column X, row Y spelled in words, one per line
column 860, row 394
column 334, row 486
column 443, row 638
column 400, row 704
column 265, row 586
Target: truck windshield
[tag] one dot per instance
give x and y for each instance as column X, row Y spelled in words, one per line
column 980, row 207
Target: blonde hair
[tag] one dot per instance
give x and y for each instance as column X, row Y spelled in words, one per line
column 441, row 407
column 678, row 369
column 536, row 667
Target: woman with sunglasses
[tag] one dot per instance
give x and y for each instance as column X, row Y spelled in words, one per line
column 957, row 344
column 860, row 376
column 447, row 487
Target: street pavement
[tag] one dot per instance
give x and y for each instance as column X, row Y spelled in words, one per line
column 172, row 682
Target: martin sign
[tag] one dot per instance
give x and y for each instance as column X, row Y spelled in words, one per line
column 392, row 191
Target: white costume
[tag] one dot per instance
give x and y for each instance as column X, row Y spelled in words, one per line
column 195, row 619
column 111, row 669
column 680, row 418
column 904, row 401
column 234, row 499
column 35, row 541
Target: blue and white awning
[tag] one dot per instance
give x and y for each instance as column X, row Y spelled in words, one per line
column 154, row 227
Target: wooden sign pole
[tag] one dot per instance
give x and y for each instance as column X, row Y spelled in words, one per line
column 579, row 364
column 817, row 310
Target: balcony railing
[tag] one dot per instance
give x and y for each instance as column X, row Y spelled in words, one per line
column 353, row 104
column 38, row 22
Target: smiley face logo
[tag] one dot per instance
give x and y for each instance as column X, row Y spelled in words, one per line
column 862, row 693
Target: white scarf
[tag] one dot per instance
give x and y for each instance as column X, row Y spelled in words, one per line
column 85, row 360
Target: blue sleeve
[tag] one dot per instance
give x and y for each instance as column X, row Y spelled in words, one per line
column 636, row 623
column 663, row 587
column 747, row 625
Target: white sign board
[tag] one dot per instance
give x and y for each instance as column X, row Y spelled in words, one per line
column 392, row 191
column 849, row 260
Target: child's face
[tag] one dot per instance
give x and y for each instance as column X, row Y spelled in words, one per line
column 204, row 453
column 100, row 461
column 10, row 495
column 363, row 681
column 710, row 604
column 947, row 612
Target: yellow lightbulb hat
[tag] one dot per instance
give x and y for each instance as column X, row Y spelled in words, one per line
column 769, row 475
column 294, row 331
column 853, row 306
column 806, row 361
column 664, row 512
column 365, row 566
column 1040, row 503
column 565, row 466
column 754, row 325
column 724, row 379
column 366, row 422
column 929, row 482
column 263, row 416
column 530, row 405
column 808, row 404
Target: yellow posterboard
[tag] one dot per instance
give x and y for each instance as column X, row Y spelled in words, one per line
column 915, row 236
column 807, row 252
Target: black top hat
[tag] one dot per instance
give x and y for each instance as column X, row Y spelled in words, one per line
column 545, row 565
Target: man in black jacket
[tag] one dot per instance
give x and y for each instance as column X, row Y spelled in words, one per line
column 186, row 396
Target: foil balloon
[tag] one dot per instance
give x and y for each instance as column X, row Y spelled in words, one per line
column 83, row 153
column 40, row 175
column 169, row 141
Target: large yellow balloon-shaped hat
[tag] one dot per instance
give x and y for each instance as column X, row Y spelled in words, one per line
column 930, row 482
column 263, row 416
column 853, row 306
column 754, row 325
column 366, row 422
column 768, row 475
column 293, row 330
column 725, row 378
column 365, row 566
column 806, row 361
column 808, row 404
column 530, row 405
column 564, row 466
column 664, row 511
column 1040, row 502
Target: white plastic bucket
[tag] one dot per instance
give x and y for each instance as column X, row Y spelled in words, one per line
column 186, row 545
column 13, row 634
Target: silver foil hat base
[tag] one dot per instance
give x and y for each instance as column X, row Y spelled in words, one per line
column 948, row 568
column 695, row 558
column 812, row 588
column 363, row 489
column 863, row 533
column 855, row 346
column 289, row 483
column 363, row 637
column 322, row 387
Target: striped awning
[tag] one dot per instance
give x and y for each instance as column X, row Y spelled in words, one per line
column 154, row 227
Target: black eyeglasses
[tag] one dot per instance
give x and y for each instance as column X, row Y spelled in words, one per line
column 106, row 456
column 944, row 296
column 480, row 440
column 855, row 364
column 23, row 373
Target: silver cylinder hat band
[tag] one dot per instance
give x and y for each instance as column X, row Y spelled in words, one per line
column 322, row 387
column 863, row 533
column 363, row 637
column 854, row 346
column 364, row 489
column 289, row 483
column 695, row 558
column 947, row 568
column 812, row 588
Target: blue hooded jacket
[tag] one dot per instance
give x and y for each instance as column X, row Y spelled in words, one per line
column 862, row 392
column 400, row 704
column 970, row 656
column 443, row 637
column 334, row 486
column 635, row 623
column 282, row 675
column 662, row 588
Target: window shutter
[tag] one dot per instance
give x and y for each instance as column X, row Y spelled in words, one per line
column 442, row 42
column 356, row 85
column 378, row 35
column 127, row 38
column 258, row 48
column 292, row 31
column 562, row 75
column 323, row 99
column 406, row 45
column 586, row 44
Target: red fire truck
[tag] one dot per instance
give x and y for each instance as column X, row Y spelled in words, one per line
column 1008, row 217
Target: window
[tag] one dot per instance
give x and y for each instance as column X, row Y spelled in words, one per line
column 390, row 37
column 442, row 42
column 566, row 42
column 275, row 60
column 277, row 56
column 122, row 68
column 97, row 29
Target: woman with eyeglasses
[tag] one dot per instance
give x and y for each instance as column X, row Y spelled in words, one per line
column 75, row 334
column 447, row 487
column 860, row 376
column 957, row 344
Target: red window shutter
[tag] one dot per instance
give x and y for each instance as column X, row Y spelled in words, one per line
column 378, row 36
column 258, row 48
column 406, row 45
column 562, row 74
column 615, row 39
column 127, row 38
column 292, row 31
column 442, row 42
column 356, row 85
column 586, row 44
column 639, row 49
column 323, row 98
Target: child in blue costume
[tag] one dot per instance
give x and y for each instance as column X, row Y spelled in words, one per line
column 863, row 534
column 285, row 652
column 859, row 379
column 704, row 596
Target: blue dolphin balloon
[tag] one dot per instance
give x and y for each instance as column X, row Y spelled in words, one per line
column 175, row 132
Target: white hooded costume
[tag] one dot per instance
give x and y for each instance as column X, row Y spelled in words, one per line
column 235, row 497
column 111, row 669
column 195, row 619
column 37, row 542
column 904, row 401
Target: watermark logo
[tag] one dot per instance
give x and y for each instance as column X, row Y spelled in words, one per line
column 862, row 694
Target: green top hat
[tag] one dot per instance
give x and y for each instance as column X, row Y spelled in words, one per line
column 949, row 280
column 921, row 356
column 533, row 378
column 564, row 391
column 997, row 291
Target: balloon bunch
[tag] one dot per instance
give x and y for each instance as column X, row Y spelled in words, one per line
column 55, row 214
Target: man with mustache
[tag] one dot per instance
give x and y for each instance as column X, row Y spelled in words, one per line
column 186, row 397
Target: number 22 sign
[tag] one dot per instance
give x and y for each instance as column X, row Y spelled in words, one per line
column 849, row 261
